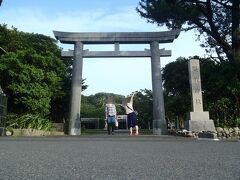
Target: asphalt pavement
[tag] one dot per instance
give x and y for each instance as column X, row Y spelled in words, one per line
column 113, row 157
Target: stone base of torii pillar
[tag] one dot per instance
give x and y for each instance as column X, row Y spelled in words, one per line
column 198, row 119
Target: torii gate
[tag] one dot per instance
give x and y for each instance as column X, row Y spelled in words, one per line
column 117, row 38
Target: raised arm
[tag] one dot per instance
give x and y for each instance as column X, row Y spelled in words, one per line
column 133, row 94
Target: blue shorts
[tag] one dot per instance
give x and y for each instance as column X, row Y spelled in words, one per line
column 132, row 120
column 111, row 119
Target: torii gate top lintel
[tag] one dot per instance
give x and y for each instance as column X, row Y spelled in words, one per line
column 116, row 37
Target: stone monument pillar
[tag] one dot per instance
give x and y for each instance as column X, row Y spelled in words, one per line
column 75, row 123
column 199, row 119
column 159, row 123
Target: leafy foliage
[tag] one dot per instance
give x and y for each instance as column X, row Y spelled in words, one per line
column 223, row 99
column 31, row 121
column 220, row 88
column 176, row 90
column 32, row 73
column 216, row 21
column 94, row 106
column 143, row 103
column 29, row 81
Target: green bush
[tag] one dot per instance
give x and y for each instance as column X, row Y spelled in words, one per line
column 101, row 123
column 28, row 121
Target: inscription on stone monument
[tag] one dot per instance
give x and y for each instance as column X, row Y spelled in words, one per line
column 195, row 82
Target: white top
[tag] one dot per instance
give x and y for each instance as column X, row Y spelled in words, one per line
column 110, row 110
column 129, row 105
column 128, row 108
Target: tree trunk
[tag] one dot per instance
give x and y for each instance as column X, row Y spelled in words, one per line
column 236, row 30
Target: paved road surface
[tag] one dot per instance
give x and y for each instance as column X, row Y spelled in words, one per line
column 118, row 157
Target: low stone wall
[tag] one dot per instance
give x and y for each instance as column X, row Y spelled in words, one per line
column 228, row 133
column 35, row 132
column 220, row 133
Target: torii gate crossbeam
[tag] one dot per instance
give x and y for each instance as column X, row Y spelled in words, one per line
column 115, row 54
column 152, row 38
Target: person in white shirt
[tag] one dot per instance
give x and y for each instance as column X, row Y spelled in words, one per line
column 131, row 114
column 111, row 114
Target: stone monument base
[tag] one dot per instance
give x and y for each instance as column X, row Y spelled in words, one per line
column 199, row 121
column 197, row 126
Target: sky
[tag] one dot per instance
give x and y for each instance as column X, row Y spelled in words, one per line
column 111, row 75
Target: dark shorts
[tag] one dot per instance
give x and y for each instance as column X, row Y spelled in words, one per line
column 132, row 120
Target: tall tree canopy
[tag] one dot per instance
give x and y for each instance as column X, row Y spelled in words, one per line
column 33, row 75
column 32, row 72
column 216, row 20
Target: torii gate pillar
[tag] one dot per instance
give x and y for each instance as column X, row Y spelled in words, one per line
column 75, row 103
column 159, row 122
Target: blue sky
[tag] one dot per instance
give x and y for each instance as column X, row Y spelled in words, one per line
column 118, row 75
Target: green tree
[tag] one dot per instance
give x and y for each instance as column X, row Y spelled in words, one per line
column 217, row 21
column 99, row 101
column 32, row 73
column 13, row 40
column 94, row 106
column 176, row 90
column 28, row 84
column 222, row 92
column 143, row 103
column 220, row 88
